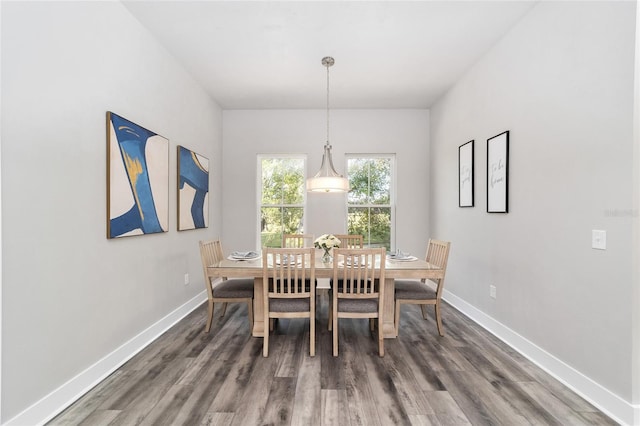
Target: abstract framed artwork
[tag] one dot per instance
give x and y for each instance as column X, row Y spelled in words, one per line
column 498, row 173
column 137, row 179
column 193, row 190
column 465, row 174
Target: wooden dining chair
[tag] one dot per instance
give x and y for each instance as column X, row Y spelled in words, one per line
column 226, row 291
column 424, row 292
column 358, row 290
column 297, row 240
column 351, row 241
column 287, row 274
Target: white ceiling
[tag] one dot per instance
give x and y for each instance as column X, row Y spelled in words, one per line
column 267, row 55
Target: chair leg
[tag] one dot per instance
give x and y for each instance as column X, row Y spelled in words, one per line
column 210, row 319
column 380, row 339
column 312, row 335
column 250, row 310
column 397, row 319
column 424, row 311
column 439, row 319
column 224, row 309
column 267, row 320
column 330, row 324
column 265, row 344
column 335, row 335
column 272, row 321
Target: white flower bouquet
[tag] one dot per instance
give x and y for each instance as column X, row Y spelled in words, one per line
column 326, row 242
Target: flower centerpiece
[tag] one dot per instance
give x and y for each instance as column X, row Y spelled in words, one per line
column 326, row 242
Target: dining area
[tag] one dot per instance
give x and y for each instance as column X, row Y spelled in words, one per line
column 355, row 281
column 218, row 375
column 288, row 336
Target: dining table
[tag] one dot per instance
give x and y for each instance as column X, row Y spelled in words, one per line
column 394, row 269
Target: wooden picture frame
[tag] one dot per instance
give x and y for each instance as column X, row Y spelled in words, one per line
column 498, row 173
column 137, row 179
column 466, row 174
column 193, row 190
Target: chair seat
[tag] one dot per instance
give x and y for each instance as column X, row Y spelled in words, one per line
column 408, row 289
column 289, row 305
column 360, row 306
column 236, row 288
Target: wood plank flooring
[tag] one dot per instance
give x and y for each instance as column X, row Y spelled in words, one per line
column 468, row 377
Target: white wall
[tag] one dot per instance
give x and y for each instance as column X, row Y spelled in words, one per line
column 635, row 368
column 70, row 296
column 249, row 133
column 562, row 82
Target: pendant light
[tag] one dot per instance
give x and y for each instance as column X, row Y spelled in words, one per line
column 327, row 179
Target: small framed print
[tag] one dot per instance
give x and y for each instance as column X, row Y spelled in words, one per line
column 498, row 173
column 465, row 175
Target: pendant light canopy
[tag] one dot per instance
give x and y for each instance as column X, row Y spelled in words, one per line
column 327, row 179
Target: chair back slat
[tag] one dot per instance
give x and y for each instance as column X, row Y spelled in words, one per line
column 208, row 258
column 289, row 272
column 358, row 273
column 297, row 240
column 351, row 241
column 438, row 254
column 217, row 249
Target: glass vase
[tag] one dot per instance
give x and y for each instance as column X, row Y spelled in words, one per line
column 326, row 256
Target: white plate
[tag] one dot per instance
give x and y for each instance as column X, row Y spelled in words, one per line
column 244, row 255
column 402, row 259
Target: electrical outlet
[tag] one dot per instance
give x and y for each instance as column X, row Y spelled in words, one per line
column 598, row 239
column 492, row 291
column 186, row 279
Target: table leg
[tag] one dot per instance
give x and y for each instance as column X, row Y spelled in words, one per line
column 388, row 309
column 258, row 308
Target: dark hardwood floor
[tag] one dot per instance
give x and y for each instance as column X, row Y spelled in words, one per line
column 189, row 377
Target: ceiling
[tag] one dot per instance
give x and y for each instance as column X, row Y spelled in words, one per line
column 267, row 55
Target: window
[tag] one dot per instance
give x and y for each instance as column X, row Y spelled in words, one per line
column 281, row 197
column 370, row 203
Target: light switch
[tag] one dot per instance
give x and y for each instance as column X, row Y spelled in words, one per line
column 598, row 239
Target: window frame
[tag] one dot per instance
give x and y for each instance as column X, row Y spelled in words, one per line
column 392, row 193
column 259, row 205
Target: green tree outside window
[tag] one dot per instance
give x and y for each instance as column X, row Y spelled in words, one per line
column 281, row 198
column 369, row 203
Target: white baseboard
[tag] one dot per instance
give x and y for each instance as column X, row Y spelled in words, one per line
column 609, row 403
column 52, row 404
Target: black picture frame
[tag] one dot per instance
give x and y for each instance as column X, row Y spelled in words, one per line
column 466, row 174
column 498, row 173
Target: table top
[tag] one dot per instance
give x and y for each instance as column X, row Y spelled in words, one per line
column 393, row 268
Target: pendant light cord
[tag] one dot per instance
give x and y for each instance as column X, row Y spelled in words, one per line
column 328, row 104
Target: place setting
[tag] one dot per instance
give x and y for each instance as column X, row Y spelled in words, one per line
column 400, row 256
column 244, row 255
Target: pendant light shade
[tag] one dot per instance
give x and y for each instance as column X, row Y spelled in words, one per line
column 327, row 179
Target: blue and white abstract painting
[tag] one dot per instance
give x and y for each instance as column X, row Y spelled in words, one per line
column 137, row 179
column 193, row 190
